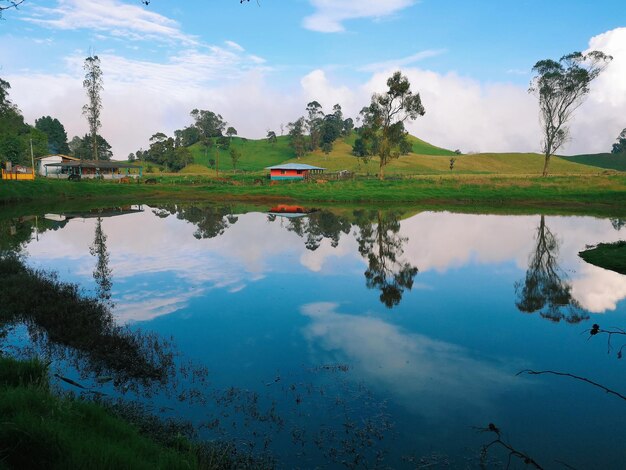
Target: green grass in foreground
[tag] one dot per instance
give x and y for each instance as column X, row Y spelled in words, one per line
column 608, row 256
column 41, row 430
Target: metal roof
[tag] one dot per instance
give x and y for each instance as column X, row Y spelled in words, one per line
column 294, row 166
column 93, row 164
column 57, row 155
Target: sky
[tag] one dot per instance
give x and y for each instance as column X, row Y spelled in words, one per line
column 258, row 64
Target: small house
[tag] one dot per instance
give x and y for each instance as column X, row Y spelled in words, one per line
column 41, row 163
column 92, row 169
column 293, row 171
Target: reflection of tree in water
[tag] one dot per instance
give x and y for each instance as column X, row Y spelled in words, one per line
column 211, row 221
column 545, row 288
column 64, row 325
column 380, row 242
column 317, row 226
column 102, row 272
column 618, row 223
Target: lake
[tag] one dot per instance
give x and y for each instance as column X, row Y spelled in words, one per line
column 352, row 337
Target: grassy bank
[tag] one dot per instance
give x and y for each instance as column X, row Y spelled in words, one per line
column 608, row 256
column 42, row 430
column 566, row 192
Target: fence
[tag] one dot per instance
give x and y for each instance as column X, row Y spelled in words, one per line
column 14, row 175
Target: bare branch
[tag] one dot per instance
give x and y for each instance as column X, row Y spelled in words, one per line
column 582, row 379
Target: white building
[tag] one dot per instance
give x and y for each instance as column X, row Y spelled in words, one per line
column 41, row 163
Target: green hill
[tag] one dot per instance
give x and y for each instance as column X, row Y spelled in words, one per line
column 256, row 155
column 610, row 161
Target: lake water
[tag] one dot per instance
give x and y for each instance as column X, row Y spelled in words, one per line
column 356, row 337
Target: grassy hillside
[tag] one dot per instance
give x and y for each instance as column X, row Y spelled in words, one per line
column 255, row 154
column 426, row 159
column 609, row 161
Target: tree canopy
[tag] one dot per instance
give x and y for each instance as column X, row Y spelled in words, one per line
column 383, row 133
column 15, row 135
column 57, row 137
column 561, row 88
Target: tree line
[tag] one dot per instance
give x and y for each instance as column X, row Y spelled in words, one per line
column 561, row 87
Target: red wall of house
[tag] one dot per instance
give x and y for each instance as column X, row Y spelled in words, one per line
column 288, row 173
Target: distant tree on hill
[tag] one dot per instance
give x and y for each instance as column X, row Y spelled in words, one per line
column 230, row 132
column 561, row 88
column 314, row 124
column 271, row 137
column 297, row 140
column 209, row 124
column 93, row 86
column 57, row 137
column 131, row 157
column 187, row 136
column 235, row 156
column 348, row 126
column 620, row 145
column 383, row 131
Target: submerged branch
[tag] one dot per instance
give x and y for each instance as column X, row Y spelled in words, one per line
column 565, row 374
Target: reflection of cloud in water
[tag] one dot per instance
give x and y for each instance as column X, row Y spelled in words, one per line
column 597, row 289
column 430, row 376
column 150, row 304
column 252, row 249
column 441, row 241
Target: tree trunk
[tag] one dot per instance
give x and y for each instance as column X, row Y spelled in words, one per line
column 545, row 165
column 381, row 171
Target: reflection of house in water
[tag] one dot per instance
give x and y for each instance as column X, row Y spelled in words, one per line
column 94, row 213
column 290, row 211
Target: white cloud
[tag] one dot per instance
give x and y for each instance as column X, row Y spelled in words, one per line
column 397, row 63
column 434, row 375
column 601, row 118
column 234, row 45
column 118, row 19
column 329, row 15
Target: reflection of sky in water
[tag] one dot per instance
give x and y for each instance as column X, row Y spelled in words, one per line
column 255, row 302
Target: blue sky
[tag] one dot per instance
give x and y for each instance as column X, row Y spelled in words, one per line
column 162, row 60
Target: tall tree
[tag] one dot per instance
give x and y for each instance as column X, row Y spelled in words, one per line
column 561, row 88
column 620, row 145
column 384, row 119
column 93, row 86
column 57, row 137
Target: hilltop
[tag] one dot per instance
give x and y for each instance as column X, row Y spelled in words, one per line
column 424, row 159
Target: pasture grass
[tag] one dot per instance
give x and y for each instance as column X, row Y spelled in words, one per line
column 445, row 189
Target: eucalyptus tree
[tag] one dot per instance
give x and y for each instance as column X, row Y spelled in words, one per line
column 93, row 86
column 561, row 87
column 383, row 120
